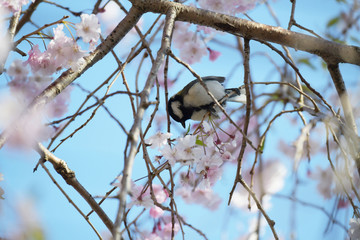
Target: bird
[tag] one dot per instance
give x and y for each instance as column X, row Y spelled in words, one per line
column 193, row 101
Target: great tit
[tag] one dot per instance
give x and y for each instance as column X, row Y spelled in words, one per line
column 193, row 102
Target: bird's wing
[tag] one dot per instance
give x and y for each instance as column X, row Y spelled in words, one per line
column 205, row 79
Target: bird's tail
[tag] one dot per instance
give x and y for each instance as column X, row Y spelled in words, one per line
column 236, row 94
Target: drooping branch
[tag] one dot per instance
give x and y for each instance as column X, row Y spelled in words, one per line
column 331, row 51
column 134, row 133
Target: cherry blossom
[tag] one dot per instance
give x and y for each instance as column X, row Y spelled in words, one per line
column 208, row 161
column 187, row 150
column 227, row 6
column 160, row 193
column 192, row 52
column 182, row 34
column 13, row 5
column 18, row 70
column 156, row 212
column 158, row 140
column 167, row 230
column 191, row 47
column 325, row 179
column 89, row 28
column 140, row 196
column 268, row 180
column 41, row 61
column 169, row 154
column 213, row 54
column 59, row 106
column 200, row 195
column 65, row 51
column 24, row 131
column 29, row 129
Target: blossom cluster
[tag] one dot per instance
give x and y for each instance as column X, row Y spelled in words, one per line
column 149, row 197
column 228, row 6
column 191, row 44
column 203, row 155
column 192, row 48
column 13, row 5
column 29, row 78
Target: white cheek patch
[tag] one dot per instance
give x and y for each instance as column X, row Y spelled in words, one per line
column 175, row 106
column 197, row 95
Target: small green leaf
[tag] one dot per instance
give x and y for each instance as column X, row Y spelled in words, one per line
column 199, row 142
column 307, row 62
column 355, row 39
column 262, row 146
column 332, row 22
column 188, row 130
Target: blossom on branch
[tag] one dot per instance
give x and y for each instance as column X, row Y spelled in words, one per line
column 89, row 28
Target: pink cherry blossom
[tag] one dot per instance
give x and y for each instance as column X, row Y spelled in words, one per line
column 187, row 150
column 182, row 34
column 208, row 161
column 41, row 61
column 191, row 47
column 213, row 54
column 59, row 106
column 167, row 230
column 206, row 197
column 169, row 154
column 156, row 212
column 269, row 180
column 228, row 6
column 325, row 179
column 139, row 197
column 158, row 140
column 192, row 51
column 64, row 50
column 18, row 70
column 160, row 193
column 13, row 5
column 89, row 28
column 29, row 129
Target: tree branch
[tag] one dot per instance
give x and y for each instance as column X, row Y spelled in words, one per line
column 134, row 133
column 69, row 176
column 331, row 51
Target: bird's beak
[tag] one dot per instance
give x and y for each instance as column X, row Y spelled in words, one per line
column 183, row 124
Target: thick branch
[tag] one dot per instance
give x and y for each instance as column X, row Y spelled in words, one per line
column 331, row 51
column 69, row 176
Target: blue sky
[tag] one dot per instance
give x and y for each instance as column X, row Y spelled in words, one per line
column 96, row 154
